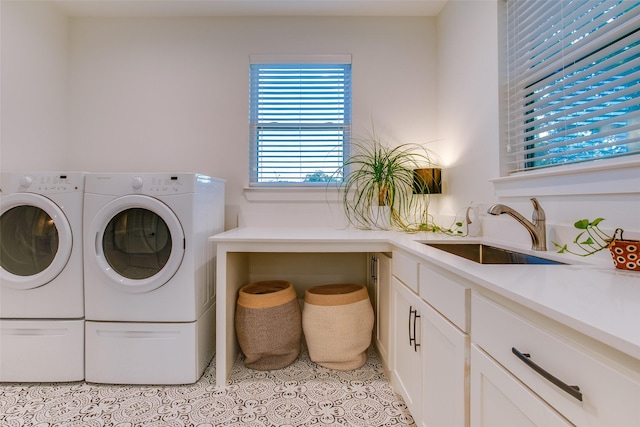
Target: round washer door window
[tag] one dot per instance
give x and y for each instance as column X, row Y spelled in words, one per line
column 35, row 241
column 139, row 243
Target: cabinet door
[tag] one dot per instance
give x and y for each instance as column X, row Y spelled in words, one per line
column 444, row 372
column 406, row 348
column 380, row 294
column 498, row 399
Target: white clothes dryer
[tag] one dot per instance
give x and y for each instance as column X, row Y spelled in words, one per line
column 41, row 280
column 149, row 278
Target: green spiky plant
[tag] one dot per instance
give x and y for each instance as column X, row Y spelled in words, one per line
column 589, row 241
column 380, row 175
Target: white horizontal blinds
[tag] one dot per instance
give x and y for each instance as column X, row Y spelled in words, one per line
column 573, row 81
column 300, row 122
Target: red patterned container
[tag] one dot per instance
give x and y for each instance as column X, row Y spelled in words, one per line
column 625, row 253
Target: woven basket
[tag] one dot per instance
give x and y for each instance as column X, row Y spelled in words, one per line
column 268, row 324
column 625, row 253
column 337, row 321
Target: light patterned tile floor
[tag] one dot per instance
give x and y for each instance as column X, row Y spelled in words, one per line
column 303, row 394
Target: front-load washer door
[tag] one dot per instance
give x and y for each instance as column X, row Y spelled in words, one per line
column 138, row 243
column 35, row 240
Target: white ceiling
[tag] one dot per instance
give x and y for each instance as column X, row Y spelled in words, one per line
column 174, row 8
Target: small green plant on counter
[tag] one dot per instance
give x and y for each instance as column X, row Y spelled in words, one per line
column 589, row 241
column 456, row 228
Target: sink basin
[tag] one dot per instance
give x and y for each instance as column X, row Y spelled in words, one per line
column 485, row 254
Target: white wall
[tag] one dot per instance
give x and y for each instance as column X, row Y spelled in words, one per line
column 172, row 94
column 468, row 115
column 467, row 102
column 34, row 88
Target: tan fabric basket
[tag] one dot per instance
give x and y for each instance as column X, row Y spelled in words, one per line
column 268, row 324
column 337, row 321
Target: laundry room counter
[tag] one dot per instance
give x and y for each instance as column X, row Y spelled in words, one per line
column 597, row 301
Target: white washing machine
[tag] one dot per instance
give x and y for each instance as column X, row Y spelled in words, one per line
column 41, row 281
column 149, row 276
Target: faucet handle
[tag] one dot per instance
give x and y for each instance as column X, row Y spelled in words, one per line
column 538, row 212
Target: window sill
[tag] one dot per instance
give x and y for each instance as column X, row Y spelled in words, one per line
column 292, row 194
column 617, row 176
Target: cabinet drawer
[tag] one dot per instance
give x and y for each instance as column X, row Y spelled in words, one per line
column 405, row 269
column 609, row 396
column 498, row 399
column 447, row 296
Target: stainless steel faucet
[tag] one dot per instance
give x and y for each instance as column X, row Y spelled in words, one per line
column 537, row 229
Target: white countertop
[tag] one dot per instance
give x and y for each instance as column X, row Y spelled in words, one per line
column 599, row 301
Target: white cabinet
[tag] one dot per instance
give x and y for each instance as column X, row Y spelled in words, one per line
column 583, row 385
column 406, row 348
column 405, row 268
column 448, row 293
column 445, row 362
column 445, row 367
column 430, row 351
column 380, row 293
column 498, row 399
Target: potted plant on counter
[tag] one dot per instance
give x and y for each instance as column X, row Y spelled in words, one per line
column 591, row 239
column 378, row 182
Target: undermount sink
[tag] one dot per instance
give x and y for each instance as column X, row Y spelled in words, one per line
column 485, row 254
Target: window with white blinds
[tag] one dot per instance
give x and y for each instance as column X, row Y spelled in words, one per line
column 573, row 81
column 300, row 119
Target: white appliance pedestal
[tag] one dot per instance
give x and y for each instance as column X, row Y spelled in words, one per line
column 41, row 350
column 149, row 352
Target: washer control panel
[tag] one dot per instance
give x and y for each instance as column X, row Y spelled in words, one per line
column 44, row 183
